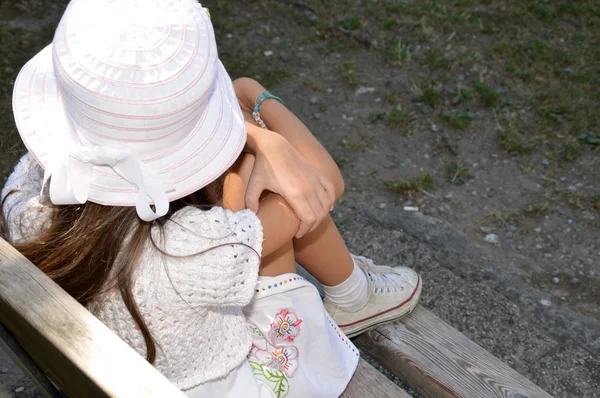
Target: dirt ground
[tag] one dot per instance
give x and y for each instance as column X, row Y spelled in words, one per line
column 480, row 113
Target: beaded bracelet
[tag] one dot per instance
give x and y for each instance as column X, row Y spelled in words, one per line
column 265, row 95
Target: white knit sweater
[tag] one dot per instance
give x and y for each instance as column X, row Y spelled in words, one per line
column 192, row 305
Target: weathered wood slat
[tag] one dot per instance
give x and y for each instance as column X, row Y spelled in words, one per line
column 79, row 353
column 440, row 362
column 369, row 382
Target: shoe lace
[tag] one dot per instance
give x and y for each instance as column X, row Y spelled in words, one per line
column 383, row 281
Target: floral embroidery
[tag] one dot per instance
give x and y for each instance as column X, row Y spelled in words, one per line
column 256, row 333
column 285, row 327
column 279, row 382
column 283, row 359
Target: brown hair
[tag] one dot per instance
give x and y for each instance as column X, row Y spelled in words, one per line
column 80, row 250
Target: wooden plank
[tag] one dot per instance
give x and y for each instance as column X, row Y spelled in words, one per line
column 369, row 382
column 440, row 362
column 77, row 351
column 9, row 344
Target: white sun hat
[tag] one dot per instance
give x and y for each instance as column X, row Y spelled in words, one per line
column 129, row 105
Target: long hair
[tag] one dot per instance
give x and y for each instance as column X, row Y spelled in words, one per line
column 82, row 250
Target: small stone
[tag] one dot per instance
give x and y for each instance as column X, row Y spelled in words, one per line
column 426, row 156
column 555, row 280
column 19, row 389
column 4, row 370
column 563, row 179
column 546, row 162
column 314, row 100
column 377, row 99
column 268, row 53
column 492, row 238
column 575, row 280
column 427, row 212
column 538, row 230
column 588, row 216
column 382, row 205
column 330, row 90
column 434, row 127
column 513, row 228
column 486, row 230
column 449, row 195
column 562, row 298
column 572, row 188
column 229, row 35
column 538, row 246
column 546, row 303
column 441, row 209
column 317, row 116
column 548, row 255
column 555, row 272
column 365, row 90
column 569, row 221
column 310, row 15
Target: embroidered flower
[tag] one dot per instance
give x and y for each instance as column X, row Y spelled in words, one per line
column 285, row 327
column 283, row 359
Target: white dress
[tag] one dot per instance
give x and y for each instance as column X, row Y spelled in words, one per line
column 221, row 331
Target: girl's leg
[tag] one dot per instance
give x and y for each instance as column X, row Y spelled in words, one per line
column 280, row 262
column 324, row 254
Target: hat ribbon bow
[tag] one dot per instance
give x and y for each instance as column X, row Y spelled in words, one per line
column 72, row 172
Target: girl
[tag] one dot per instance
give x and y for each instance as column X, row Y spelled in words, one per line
column 129, row 107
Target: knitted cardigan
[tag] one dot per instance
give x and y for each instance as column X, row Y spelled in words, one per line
column 191, row 302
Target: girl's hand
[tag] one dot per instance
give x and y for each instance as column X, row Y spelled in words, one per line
column 279, row 168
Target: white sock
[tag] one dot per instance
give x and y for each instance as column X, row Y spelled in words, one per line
column 352, row 294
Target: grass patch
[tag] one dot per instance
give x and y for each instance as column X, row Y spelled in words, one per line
column 487, row 95
column 350, row 144
column 348, row 74
column 351, row 23
column 538, row 209
column 583, row 200
column 422, row 181
column 396, row 51
column 570, row 151
column 376, row 117
column 430, row 96
column 458, row 174
column 504, row 217
column 512, row 143
column 400, row 118
column 458, row 120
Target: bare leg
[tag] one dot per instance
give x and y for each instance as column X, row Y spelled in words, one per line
column 324, row 254
column 281, row 261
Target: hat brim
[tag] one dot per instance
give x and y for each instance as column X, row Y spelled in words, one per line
column 212, row 147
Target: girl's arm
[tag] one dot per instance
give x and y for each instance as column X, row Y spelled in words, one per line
column 279, row 119
column 280, row 222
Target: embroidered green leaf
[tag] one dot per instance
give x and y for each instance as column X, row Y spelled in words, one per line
column 273, row 375
column 282, row 388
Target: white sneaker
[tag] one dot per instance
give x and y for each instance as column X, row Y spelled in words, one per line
column 393, row 293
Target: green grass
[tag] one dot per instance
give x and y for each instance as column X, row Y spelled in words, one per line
column 430, row 96
column 351, row 23
column 422, row 181
column 348, row 74
column 504, row 217
column 570, row 151
column 538, row 209
column 400, row 118
column 397, row 51
column 458, row 174
column 457, row 120
column 487, row 95
column 513, row 143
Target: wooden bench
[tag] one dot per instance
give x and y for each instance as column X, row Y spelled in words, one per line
column 52, row 337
